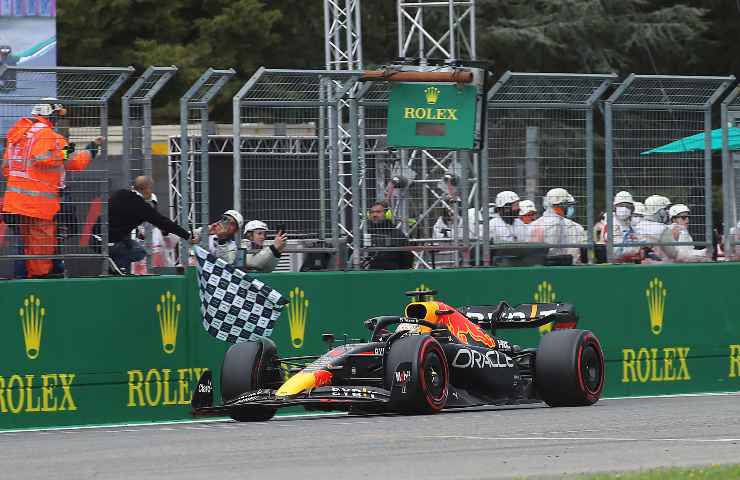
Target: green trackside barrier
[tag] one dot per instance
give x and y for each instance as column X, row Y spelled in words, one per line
column 87, row 351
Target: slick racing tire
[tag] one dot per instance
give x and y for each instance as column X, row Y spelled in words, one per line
column 249, row 366
column 417, row 375
column 569, row 368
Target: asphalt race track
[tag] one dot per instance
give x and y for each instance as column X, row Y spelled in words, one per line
column 498, row 442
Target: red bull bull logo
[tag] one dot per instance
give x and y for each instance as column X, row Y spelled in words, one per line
column 462, row 328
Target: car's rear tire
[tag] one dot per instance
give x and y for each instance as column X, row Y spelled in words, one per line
column 569, row 368
column 417, row 375
column 249, row 366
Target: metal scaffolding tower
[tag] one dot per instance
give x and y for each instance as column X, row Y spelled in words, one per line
column 436, row 29
column 440, row 32
column 343, row 52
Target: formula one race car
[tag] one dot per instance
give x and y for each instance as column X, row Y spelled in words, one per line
column 436, row 357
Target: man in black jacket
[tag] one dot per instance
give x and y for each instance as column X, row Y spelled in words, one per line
column 127, row 209
column 383, row 233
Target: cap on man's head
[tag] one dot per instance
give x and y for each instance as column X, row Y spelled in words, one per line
column 655, row 203
column 623, row 197
column 639, row 209
column 677, row 210
column 557, row 196
column 526, row 207
column 505, row 198
column 237, row 218
column 253, row 225
column 47, row 109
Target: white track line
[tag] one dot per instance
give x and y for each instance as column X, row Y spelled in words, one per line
column 591, row 439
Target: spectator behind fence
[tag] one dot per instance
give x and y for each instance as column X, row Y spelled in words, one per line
column 506, row 210
column 527, row 215
column 444, row 229
column 383, row 233
column 127, row 209
column 678, row 231
column 222, row 238
column 266, row 259
column 651, row 228
column 162, row 248
column 622, row 231
column 34, row 162
column 556, row 227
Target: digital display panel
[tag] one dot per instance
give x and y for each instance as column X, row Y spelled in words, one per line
column 431, row 129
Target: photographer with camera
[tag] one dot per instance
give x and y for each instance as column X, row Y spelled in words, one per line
column 266, row 259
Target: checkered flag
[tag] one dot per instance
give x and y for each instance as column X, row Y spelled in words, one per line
column 235, row 306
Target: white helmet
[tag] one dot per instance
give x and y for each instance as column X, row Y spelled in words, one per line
column 505, row 198
column 655, row 203
column 46, row 109
column 237, row 218
column 623, row 197
column 253, row 225
column 639, row 209
column 556, row 196
column 678, row 209
column 526, row 206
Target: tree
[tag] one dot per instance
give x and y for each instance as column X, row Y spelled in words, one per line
column 588, row 35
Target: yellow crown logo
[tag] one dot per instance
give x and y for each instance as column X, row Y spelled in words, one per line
column 545, row 294
column 432, row 95
column 32, row 318
column 427, row 298
column 656, row 294
column 297, row 315
column 168, row 311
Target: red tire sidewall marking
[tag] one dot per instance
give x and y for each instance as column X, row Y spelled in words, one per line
column 434, row 404
column 592, row 395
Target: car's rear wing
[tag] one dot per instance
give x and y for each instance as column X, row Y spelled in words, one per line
column 525, row 315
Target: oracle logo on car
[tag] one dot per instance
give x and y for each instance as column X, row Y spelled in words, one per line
column 469, row 358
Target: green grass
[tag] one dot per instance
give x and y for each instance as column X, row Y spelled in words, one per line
column 711, row 472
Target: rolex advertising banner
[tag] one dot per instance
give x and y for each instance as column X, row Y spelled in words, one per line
column 88, row 351
column 433, row 116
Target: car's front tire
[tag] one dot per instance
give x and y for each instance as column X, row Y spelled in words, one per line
column 417, row 375
column 249, row 366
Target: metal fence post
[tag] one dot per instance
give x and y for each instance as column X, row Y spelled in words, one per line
column 188, row 182
column 648, row 112
column 540, row 136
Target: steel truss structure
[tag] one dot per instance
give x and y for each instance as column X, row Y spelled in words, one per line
column 442, row 29
column 432, row 31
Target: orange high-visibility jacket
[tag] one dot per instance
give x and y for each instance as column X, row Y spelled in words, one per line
column 34, row 163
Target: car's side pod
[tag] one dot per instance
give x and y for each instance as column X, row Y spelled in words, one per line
column 203, row 394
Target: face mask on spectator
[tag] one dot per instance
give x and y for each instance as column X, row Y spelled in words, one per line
column 570, row 212
column 622, row 213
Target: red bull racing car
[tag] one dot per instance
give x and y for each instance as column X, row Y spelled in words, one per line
column 436, row 357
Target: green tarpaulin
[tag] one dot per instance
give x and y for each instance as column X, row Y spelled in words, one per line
column 694, row 143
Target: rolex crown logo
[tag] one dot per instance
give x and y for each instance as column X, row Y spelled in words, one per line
column 656, row 294
column 432, row 95
column 168, row 311
column 297, row 315
column 32, row 318
column 427, row 298
column 545, row 294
